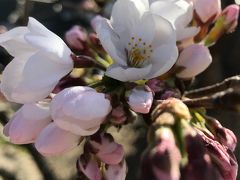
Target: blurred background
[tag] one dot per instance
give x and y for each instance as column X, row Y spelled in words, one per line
column 23, row 162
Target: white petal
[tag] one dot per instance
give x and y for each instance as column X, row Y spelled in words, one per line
column 54, row 141
column 31, row 78
column 13, row 33
column 11, row 76
column 110, row 41
column 179, row 12
column 55, row 46
column 187, row 33
column 38, row 29
column 13, row 41
column 172, row 11
column 126, row 14
column 39, row 35
column 128, row 74
column 162, row 59
column 155, row 30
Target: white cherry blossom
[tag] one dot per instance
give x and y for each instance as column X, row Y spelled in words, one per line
column 141, row 43
column 179, row 13
column 41, row 59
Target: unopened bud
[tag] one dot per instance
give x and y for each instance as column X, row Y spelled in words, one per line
column 225, row 23
column 116, row 172
column 231, row 14
column 207, row 9
column 222, row 157
column 106, row 149
column 156, row 85
column 194, row 59
column 118, row 115
column 163, row 161
column 88, row 166
column 76, row 37
column 225, row 136
column 199, row 163
column 170, row 109
column 140, row 99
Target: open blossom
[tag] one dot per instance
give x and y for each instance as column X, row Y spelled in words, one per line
column 141, row 43
column 179, row 13
column 106, row 149
column 140, row 100
column 41, row 59
column 28, row 122
column 80, row 110
column 194, row 59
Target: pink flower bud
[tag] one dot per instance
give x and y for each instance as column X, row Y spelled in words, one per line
column 156, row 85
column 118, row 115
column 223, row 158
column 195, row 59
column 80, row 110
column 106, row 149
column 207, row 9
column 116, row 172
column 3, row 29
column 28, row 122
column 89, row 167
column 163, row 160
column 140, row 100
column 76, row 37
column 54, row 141
column 231, row 14
column 225, row 136
column 199, row 164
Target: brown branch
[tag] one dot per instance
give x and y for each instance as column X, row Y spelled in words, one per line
column 26, row 12
column 229, row 99
column 232, row 82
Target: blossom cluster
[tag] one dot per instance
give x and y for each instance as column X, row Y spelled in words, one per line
column 142, row 49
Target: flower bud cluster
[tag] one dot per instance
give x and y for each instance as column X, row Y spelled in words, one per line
column 194, row 55
column 102, row 158
column 209, row 151
column 73, row 113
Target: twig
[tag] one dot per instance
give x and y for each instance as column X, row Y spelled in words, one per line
column 232, row 82
column 26, row 12
column 229, row 99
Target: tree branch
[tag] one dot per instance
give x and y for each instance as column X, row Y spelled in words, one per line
column 232, row 82
column 228, row 99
